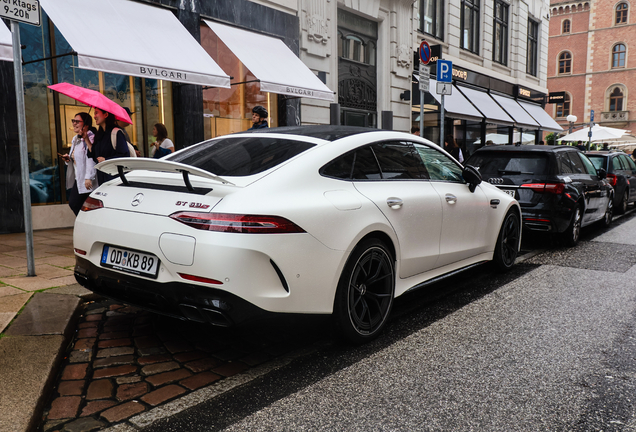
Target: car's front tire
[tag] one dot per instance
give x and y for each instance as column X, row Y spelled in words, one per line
column 507, row 246
column 364, row 297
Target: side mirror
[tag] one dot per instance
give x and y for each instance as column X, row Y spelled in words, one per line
column 472, row 177
column 602, row 174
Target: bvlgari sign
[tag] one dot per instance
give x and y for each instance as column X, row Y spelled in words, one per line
column 162, row 73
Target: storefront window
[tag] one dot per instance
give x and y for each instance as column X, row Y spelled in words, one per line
column 49, row 114
column 44, row 178
column 230, row 110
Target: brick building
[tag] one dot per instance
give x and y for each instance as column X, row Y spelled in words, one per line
column 588, row 58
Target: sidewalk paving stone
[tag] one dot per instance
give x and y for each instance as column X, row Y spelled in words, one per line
column 163, row 394
column 124, row 411
column 100, row 389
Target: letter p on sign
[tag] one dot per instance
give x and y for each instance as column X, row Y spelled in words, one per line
column 444, row 71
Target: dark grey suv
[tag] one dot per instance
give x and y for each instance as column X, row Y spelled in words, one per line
column 558, row 188
column 621, row 174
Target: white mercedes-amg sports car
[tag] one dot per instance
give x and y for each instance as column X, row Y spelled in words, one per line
column 313, row 220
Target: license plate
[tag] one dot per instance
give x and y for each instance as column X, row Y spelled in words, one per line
column 510, row 192
column 130, row 261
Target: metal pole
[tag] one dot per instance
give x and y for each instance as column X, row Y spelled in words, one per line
column 441, row 123
column 24, row 151
column 589, row 137
column 421, row 112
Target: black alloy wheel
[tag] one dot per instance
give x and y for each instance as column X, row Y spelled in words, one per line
column 572, row 233
column 365, row 292
column 507, row 246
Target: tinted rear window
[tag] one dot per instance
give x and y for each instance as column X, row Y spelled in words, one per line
column 598, row 161
column 240, row 156
column 495, row 164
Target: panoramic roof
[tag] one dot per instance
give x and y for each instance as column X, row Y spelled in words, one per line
column 326, row 132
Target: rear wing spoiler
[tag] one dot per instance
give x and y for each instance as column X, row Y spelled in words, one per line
column 121, row 166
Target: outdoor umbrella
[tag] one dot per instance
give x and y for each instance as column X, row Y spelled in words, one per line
column 599, row 133
column 93, row 99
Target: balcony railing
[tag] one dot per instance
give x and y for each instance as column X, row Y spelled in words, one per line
column 615, row 116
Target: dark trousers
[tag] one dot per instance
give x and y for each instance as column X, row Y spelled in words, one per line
column 76, row 199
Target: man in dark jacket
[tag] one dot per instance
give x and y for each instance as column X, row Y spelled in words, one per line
column 259, row 118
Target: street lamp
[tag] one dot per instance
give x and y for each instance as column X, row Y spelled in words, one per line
column 572, row 119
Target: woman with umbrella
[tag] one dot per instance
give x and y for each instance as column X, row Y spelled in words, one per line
column 103, row 149
column 108, row 144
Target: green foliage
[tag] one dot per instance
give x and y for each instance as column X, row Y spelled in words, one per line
column 550, row 139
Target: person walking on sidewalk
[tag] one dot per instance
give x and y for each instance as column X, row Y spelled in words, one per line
column 102, row 149
column 259, row 118
column 81, row 171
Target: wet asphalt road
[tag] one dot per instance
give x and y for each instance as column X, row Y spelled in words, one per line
column 549, row 346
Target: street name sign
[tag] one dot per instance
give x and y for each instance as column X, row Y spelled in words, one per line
column 26, row 11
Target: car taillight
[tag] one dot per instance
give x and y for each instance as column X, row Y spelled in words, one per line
column 553, row 188
column 236, row 223
column 92, row 204
column 612, row 179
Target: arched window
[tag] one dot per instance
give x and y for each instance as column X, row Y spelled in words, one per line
column 353, row 48
column 616, row 100
column 341, row 43
column 621, row 13
column 618, row 56
column 565, row 63
column 566, row 26
column 371, row 50
column 563, row 108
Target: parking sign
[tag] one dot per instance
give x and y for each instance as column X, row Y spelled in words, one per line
column 444, row 71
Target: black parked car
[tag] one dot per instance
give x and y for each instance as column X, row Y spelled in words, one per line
column 558, row 188
column 621, row 174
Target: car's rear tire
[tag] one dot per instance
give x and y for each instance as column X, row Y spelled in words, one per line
column 366, row 288
column 609, row 213
column 572, row 233
column 507, row 246
column 622, row 207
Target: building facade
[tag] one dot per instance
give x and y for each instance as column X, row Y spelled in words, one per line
column 588, row 59
column 359, row 49
column 499, row 51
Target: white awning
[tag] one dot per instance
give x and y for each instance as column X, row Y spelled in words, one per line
column 487, row 106
column 131, row 38
column 456, row 104
column 277, row 68
column 6, row 43
column 521, row 117
column 547, row 123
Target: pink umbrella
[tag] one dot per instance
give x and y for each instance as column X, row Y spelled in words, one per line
column 92, row 98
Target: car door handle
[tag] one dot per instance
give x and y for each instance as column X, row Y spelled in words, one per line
column 451, row 199
column 394, row 203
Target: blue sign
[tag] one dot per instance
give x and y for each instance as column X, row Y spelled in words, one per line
column 425, row 52
column 592, row 116
column 444, row 71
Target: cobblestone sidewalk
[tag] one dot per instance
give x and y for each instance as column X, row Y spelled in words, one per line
column 124, row 361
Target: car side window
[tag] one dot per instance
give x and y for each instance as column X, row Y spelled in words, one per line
column 399, row 161
column 358, row 164
column 631, row 166
column 616, row 164
column 565, row 164
column 589, row 166
column 439, row 166
column 578, row 166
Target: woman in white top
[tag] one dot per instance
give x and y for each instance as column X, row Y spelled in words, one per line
column 163, row 146
column 84, row 178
